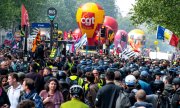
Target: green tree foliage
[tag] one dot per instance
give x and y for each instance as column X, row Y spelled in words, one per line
column 158, row 12
column 10, row 11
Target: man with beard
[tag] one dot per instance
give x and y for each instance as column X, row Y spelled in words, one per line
column 3, row 68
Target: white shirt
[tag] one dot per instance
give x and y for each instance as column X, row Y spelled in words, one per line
column 14, row 95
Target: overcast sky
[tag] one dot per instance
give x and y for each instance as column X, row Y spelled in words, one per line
column 125, row 6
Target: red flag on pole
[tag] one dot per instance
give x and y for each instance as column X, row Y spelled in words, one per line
column 65, row 35
column 24, row 16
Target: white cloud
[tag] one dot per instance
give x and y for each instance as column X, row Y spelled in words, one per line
column 125, row 6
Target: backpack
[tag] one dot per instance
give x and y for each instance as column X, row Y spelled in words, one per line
column 123, row 100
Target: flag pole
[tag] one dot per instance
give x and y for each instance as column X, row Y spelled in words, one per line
column 87, row 48
column 25, row 41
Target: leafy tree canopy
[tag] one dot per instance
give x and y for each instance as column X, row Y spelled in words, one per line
column 158, row 12
column 10, row 11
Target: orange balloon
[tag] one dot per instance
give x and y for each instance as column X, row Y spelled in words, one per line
column 90, row 17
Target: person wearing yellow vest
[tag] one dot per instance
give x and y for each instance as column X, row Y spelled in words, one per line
column 90, row 89
column 54, row 51
column 74, row 79
column 70, row 62
column 76, row 94
column 99, row 81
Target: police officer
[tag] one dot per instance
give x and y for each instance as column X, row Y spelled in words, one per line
column 175, row 102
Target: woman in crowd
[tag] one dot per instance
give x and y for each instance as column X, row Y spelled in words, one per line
column 4, row 82
column 4, row 100
column 52, row 96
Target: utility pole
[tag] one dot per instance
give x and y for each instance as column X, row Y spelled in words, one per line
column 51, row 33
column 52, row 12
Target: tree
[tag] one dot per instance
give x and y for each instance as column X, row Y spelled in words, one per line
column 8, row 13
column 158, row 12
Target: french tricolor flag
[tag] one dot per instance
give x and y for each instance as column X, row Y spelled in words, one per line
column 167, row 35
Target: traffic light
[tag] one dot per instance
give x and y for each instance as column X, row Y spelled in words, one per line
column 103, row 31
column 55, row 34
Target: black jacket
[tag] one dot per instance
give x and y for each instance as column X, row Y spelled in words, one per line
column 176, row 99
column 40, row 52
column 107, row 96
column 3, row 98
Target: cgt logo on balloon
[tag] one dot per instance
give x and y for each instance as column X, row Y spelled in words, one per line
column 87, row 20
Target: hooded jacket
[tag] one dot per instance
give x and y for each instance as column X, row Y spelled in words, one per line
column 142, row 104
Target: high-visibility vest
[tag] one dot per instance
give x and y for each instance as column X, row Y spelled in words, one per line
column 100, row 84
column 86, row 86
column 80, row 80
column 70, row 65
column 53, row 52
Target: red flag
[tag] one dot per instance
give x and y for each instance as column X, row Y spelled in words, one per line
column 24, row 16
column 72, row 48
column 65, row 35
column 174, row 40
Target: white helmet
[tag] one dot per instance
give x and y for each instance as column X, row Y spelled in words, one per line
column 130, row 80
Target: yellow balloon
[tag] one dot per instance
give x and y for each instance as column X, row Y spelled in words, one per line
column 90, row 17
column 136, row 38
column 155, row 42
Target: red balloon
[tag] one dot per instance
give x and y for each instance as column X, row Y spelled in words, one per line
column 111, row 22
column 76, row 34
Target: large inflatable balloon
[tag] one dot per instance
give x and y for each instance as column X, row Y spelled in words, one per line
column 136, row 39
column 76, row 34
column 121, row 38
column 111, row 22
column 111, row 28
column 90, row 17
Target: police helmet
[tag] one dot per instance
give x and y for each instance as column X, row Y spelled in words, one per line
column 76, row 91
column 61, row 75
column 158, row 86
column 157, row 72
column 176, row 81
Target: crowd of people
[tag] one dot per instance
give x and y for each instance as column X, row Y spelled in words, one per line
column 55, row 80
